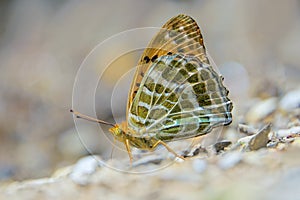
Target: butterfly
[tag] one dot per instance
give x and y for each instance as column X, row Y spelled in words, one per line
column 175, row 94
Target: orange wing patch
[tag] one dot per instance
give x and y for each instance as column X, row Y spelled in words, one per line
column 180, row 35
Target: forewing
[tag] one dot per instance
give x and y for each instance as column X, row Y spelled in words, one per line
column 180, row 34
column 179, row 97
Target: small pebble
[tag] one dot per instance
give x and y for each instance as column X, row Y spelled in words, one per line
column 220, row 146
column 288, row 132
column 272, row 144
column 254, row 142
column 83, row 169
column 290, row 101
column 248, row 130
column 260, row 139
column 261, row 110
column 195, row 151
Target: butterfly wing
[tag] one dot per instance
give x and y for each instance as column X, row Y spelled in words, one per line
column 180, row 34
column 176, row 93
column 179, row 97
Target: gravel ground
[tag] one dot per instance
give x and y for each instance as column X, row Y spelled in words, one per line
column 256, row 47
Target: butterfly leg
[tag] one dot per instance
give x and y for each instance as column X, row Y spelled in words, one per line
column 128, row 150
column 168, row 148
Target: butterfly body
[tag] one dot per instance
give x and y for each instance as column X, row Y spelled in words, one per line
column 175, row 94
column 179, row 97
column 135, row 140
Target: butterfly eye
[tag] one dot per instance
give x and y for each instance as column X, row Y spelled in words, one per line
column 169, row 53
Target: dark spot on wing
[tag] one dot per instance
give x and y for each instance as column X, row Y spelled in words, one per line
column 154, row 58
column 146, row 59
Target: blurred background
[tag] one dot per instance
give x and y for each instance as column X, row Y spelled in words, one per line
column 255, row 45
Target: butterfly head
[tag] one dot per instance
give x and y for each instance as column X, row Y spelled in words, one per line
column 118, row 131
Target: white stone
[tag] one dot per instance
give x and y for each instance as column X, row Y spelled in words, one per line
column 290, row 101
column 83, row 169
column 261, row 110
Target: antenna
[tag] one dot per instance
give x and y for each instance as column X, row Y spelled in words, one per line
column 82, row 116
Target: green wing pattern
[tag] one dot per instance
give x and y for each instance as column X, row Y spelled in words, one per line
column 179, row 97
